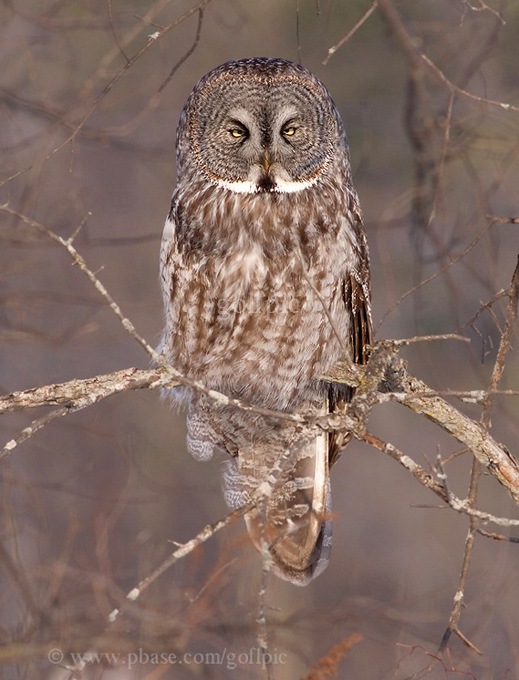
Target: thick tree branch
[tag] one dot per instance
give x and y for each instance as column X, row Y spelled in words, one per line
column 385, row 378
column 494, row 456
column 386, row 372
column 77, row 394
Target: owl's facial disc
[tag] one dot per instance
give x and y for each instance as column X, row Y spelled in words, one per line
column 258, row 135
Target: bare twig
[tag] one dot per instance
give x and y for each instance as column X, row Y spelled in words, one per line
column 351, row 33
column 504, row 347
column 499, row 365
column 114, row 31
column 190, row 50
column 483, row 7
column 31, row 429
column 260, row 495
column 439, row 488
column 80, row 262
column 298, row 36
column 458, row 90
column 429, row 338
column 452, row 261
column 504, row 220
column 129, row 63
column 418, row 59
column 207, row 532
column 425, row 478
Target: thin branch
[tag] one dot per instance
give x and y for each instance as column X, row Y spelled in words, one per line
column 113, row 30
column 484, row 307
column 504, row 220
column 425, row 478
column 351, row 33
column 30, row 430
column 458, row 90
column 483, row 7
column 207, row 532
column 504, row 346
column 190, row 50
column 429, row 338
column 464, row 507
column 450, row 263
column 131, row 61
column 504, row 349
column 260, row 495
column 497, row 537
column 298, row 36
column 80, row 262
column 418, row 59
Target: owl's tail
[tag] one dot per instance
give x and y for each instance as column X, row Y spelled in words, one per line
column 292, row 521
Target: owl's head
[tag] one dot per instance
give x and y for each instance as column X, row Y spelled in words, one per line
column 260, row 125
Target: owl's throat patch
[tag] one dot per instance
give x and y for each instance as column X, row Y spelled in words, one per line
column 259, row 181
column 266, row 183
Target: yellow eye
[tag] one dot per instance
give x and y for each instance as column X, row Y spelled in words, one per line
column 289, row 131
column 236, row 132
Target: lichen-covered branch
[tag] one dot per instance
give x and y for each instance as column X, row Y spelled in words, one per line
column 385, row 378
column 494, row 456
column 77, row 394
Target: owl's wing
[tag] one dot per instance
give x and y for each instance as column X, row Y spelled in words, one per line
column 356, row 294
column 355, row 298
column 170, row 259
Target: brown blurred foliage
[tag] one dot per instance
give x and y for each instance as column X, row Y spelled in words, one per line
column 428, row 91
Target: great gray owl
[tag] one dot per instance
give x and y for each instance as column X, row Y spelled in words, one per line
column 265, row 278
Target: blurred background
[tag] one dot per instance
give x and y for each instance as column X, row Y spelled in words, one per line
column 92, row 503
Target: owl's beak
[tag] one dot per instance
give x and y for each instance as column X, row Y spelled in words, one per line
column 265, row 182
column 266, row 160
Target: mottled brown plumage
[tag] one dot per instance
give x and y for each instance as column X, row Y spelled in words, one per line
column 265, row 277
